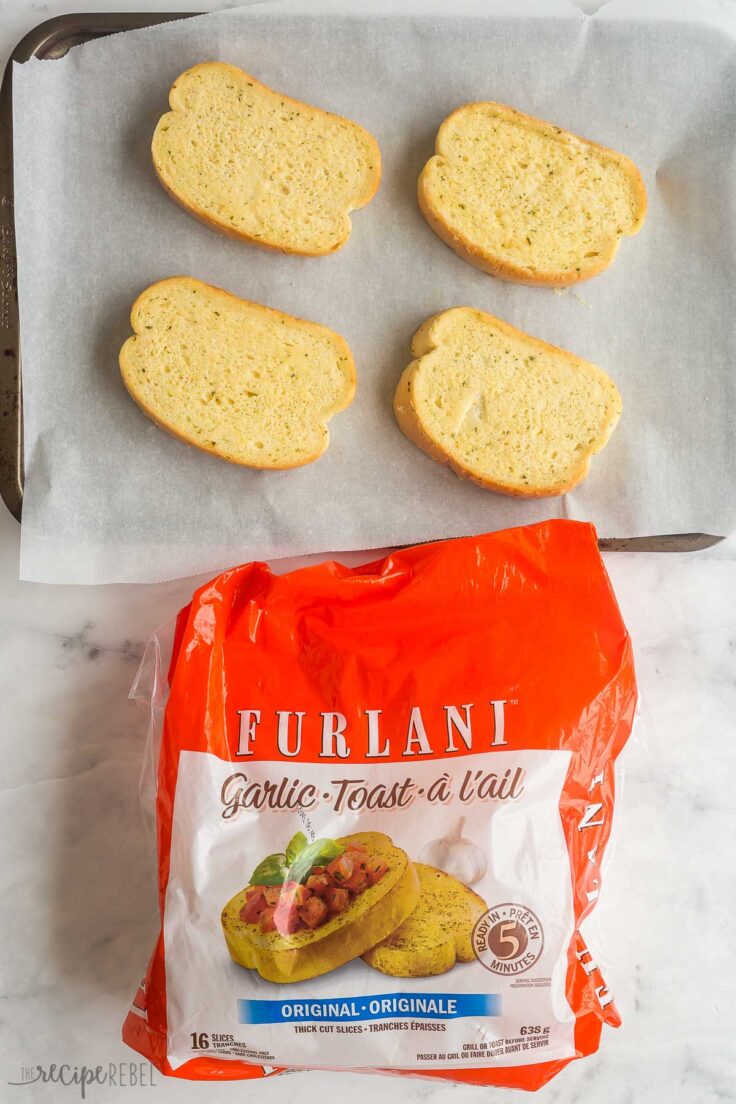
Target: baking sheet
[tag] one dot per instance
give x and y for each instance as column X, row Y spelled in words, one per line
column 108, row 497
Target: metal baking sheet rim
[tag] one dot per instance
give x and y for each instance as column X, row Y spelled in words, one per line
column 52, row 39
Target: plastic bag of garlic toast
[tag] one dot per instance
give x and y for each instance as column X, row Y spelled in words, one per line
column 383, row 795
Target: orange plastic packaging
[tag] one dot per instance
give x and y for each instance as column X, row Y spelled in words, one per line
column 431, row 735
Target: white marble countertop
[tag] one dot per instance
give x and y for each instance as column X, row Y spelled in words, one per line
column 77, row 909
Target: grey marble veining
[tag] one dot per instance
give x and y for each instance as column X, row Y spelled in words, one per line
column 77, row 893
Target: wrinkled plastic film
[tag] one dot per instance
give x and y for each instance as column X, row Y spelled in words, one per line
column 150, row 691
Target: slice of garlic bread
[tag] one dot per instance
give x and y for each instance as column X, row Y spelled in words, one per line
column 504, row 409
column 250, row 384
column 527, row 201
column 370, row 916
column 261, row 166
column 438, row 932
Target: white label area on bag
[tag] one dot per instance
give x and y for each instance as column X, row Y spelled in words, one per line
column 506, row 1006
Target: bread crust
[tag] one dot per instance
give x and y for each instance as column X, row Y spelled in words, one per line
column 503, row 270
column 230, row 231
column 351, row 379
column 411, row 425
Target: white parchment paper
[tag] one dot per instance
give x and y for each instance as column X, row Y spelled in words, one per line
column 111, row 498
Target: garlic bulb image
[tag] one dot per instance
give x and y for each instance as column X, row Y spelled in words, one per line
column 456, row 855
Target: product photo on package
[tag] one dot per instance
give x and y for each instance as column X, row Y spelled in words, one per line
column 383, row 797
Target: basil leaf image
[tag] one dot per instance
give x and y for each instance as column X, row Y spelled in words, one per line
column 295, row 846
column 270, row 871
column 318, row 853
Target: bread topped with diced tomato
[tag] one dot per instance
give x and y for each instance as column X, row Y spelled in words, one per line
column 317, row 906
column 329, row 890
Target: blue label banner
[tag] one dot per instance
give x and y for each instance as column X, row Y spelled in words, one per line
column 379, row 1006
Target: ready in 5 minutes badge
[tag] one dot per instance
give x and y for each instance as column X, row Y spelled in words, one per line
column 508, row 939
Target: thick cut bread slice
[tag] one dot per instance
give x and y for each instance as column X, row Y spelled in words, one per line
column 250, row 384
column 502, row 408
column 372, row 916
column 526, row 201
column 260, row 166
column 438, row 932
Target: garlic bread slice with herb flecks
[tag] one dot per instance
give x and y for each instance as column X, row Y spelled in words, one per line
column 527, row 201
column 504, row 409
column 250, row 384
column 260, row 166
column 438, row 932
